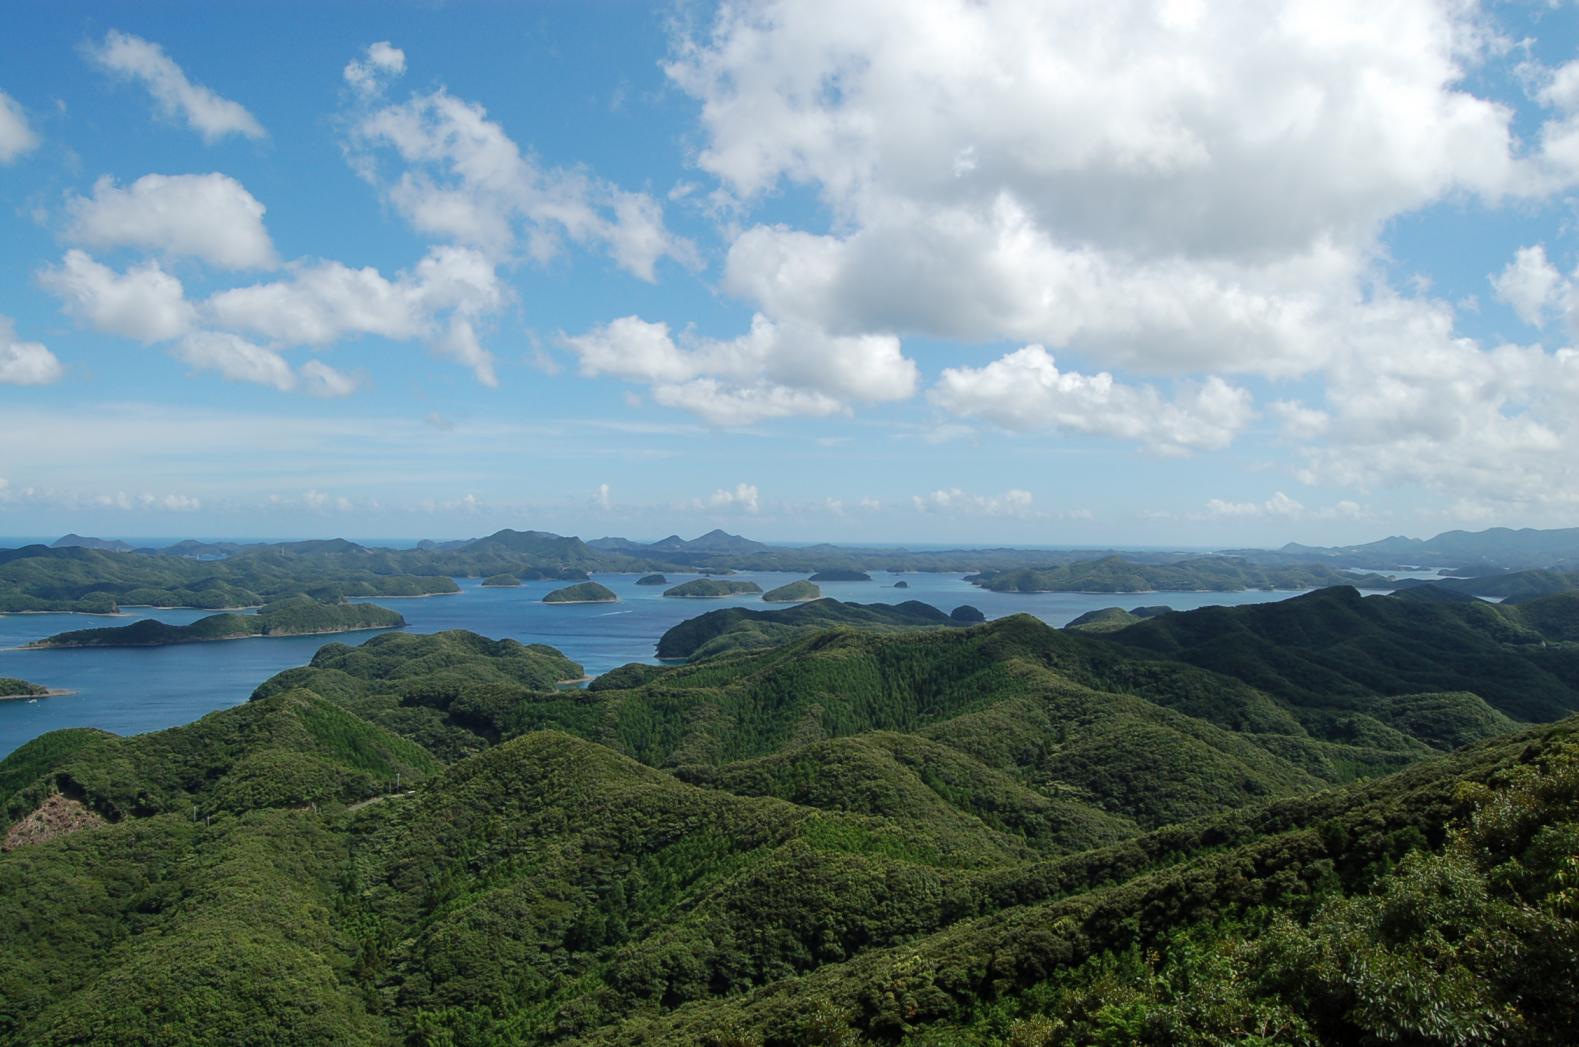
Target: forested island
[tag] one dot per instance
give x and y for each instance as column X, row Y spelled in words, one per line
column 652, row 579
column 295, row 617
column 1311, row 814
column 501, row 581
column 841, row 575
column 1116, row 574
column 793, row 592
column 709, row 588
column 585, row 592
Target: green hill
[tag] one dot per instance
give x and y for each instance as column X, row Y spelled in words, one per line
column 1333, row 647
column 296, row 617
column 1001, row 834
column 707, row 588
column 585, row 592
column 652, row 579
column 501, row 581
column 793, row 592
column 1105, row 620
column 739, row 628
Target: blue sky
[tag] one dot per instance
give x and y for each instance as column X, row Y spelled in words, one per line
column 1020, row 272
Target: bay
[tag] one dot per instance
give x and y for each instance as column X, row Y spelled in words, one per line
column 131, row 690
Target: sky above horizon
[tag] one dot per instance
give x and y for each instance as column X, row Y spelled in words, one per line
column 1015, row 271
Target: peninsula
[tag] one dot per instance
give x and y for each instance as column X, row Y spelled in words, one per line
column 12, row 689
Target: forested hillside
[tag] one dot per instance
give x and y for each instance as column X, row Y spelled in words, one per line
column 997, row 834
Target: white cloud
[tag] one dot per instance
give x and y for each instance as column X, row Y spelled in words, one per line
column 442, row 301
column 25, row 363
column 319, row 379
column 1533, row 288
column 1026, row 391
column 1437, row 411
column 145, row 303
column 383, row 62
column 1013, row 502
column 1279, row 504
column 461, row 178
column 773, row 370
column 743, row 497
column 603, row 498
column 235, row 358
column 207, row 216
column 1299, row 422
column 1167, row 195
column 16, row 137
column 203, row 111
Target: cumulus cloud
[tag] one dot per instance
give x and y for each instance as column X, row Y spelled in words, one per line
column 176, row 97
column 144, row 303
column 773, row 370
column 1013, row 502
column 1025, row 391
column 1166, row 191
column 319, row 379
column 442, row 300
column 743, row 497
column 235, row 358
column 1533, row 288
column 207, row 216
column 1279, row 504
column 603, row 498
column 1439, row 411
column 25, row 363
column 459, row 177
column 381, row 63
column 16, row 137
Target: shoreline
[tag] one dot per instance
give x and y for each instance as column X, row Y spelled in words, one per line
column 206, row 639
column 562, row 603
column 52, row 692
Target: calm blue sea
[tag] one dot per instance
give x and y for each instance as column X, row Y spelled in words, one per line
column 143, row 689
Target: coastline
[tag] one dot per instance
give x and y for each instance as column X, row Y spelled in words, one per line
column 53, row 692
column 207, row 639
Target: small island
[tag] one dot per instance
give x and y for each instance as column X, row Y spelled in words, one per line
column 501, row 581
column 652, row 579
column 840, row 574
column 794, row 592
column 585, row 592
column 12, row 689
column 709, row 588
column 299, row 616
column 965, row 614
column 901, row 584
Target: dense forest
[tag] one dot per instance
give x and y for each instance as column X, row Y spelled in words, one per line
column 1253, row 825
